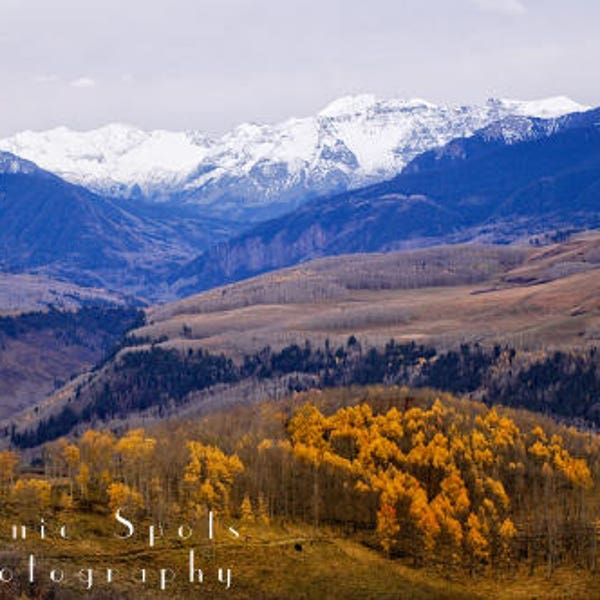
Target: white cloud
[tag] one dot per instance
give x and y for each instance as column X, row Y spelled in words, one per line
column 83, row 82
column 506, row 7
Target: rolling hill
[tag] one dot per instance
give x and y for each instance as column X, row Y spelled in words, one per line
column 41, row 350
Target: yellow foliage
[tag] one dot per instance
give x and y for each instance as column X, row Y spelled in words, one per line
column 246, row 512
column 265, row 445
column 388, row 527
column 71, row 455
column 122, row 496
column 424, row 517
column 8, row 462
column 508, row 530
column 308, row 427
column 209, row 475
column 453, row 487
column 496, row 489
column 406, row 456
column 135, row 447
column 481, row 450
column 97, row 447
column 539, row 433
column 539, row 450
column 263, row 510
column 32, row 496
column 83, row 479
column 476, row 543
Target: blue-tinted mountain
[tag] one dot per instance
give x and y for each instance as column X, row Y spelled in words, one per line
column 65, row 231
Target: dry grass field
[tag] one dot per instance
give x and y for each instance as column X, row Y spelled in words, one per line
column 265, row 563
column 529, row 298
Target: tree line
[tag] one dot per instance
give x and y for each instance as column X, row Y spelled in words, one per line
column 565, row 384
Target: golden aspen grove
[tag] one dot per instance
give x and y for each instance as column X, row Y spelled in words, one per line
column 438, row 485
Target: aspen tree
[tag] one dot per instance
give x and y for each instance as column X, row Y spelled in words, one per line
column 121, row 495
column 72, row 457
column 32, row 498
column 209, row 476
column 246, row 512
column 8, row 463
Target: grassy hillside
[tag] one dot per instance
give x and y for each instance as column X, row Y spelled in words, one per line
column 267, row 566
column 528, row 297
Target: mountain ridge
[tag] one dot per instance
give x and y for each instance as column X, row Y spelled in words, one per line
column 258, row 170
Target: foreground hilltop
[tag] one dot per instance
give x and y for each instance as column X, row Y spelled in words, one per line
column 356, row 493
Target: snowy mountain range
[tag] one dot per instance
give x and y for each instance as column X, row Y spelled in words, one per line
column 261, row 170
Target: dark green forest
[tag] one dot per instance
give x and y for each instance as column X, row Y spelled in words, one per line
column 563, row 384
column 74, row 327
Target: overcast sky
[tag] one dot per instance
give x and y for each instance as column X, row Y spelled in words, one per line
column 211, row 64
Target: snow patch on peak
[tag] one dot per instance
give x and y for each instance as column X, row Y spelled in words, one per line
column 353, row 106
column 419, row 103
column 546, row 108
column 349, row 105
column 249, row 130
column 11, row 164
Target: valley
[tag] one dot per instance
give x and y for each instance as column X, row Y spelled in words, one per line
column 292, row 329
column 41, row 350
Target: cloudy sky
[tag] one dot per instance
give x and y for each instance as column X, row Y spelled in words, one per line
column 210, row 64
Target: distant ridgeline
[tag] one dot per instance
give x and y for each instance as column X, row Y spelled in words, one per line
column 565, row 384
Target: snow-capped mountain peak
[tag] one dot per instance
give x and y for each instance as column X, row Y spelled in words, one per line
column 546, row 108
column 353, row 141
column 113, row 158
column 348, row 105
